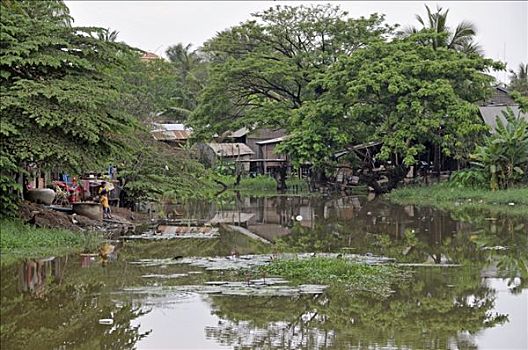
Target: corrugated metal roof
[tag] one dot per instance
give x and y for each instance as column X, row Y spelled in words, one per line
column 175, row 135
column 230, row 149
column 275, row 140
column 238, row 133
column 489, row 114
column 170, row 127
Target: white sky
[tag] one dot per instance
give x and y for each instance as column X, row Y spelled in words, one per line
column 155, row 25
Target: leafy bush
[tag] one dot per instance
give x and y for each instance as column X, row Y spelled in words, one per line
column 471, row 178
column 225, row 168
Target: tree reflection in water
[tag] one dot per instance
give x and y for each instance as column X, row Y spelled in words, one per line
column 440, row 308
column 45, row 312
column 436, row 309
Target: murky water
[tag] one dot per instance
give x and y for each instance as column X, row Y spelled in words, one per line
column 57, row 303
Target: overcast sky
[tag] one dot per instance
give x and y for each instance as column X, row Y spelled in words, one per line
column 155, row 25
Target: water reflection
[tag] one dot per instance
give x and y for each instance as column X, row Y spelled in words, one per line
column 274, row 217
column 431, row 312
column 35, row 275
column 57, row 302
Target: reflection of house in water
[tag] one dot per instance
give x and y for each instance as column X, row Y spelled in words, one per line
column 34, row 275
column 274, row 216
column 231, row 217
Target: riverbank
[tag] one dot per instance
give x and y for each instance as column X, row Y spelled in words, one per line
column 512, row 202
column 19, row 240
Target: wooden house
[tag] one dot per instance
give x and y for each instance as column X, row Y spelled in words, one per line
column 173, row 134
column 213, row 153
column 262, row 141
column 498, row 103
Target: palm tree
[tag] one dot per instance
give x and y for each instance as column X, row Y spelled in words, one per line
column 519, row 79
column 183, row 57
column 460, row 39
column 108, row 35
column 192, row 71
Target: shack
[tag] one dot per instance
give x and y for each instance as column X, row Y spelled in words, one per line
column 262, row 141
column 176, row 135
column 498, row 103
column 213, row 153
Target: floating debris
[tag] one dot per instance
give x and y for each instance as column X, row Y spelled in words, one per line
column 233, row 288
column 427, row 265
column 251, row 261
column 106, row 321
column 497, row 247
column 174, row 275
column 175, row 232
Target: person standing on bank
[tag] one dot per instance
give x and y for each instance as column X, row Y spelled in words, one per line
column 103, row 199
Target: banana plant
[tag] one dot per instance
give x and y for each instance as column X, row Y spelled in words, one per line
column 504, row 155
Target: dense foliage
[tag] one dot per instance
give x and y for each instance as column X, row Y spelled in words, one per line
column 260, row 70
column 75, row 99
column 503, row 156
column 402, row 93
column 57, row 91
column 332, row 81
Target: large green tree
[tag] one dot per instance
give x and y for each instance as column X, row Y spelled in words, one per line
column 261, row 69
column 58, row 88
column 401, row 93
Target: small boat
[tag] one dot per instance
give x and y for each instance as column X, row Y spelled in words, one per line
column 41, row 195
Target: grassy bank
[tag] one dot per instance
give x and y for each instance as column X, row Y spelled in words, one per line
column 18, row 241
column 354, row 276
column 510, row 202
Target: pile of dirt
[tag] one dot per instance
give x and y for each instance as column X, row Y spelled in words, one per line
column 122, row 219
column 85, row 222
column 129, row 215
column 41, row 216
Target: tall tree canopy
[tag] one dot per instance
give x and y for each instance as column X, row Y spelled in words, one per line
column 401, row 93
column 191, row 72
column 261, row 69
column 57, row 90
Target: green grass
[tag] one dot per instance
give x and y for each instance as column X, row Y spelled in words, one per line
column 357, row 277
column 19, row 241
column 446, row 197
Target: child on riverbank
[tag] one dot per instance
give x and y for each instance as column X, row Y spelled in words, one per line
column 103, row 199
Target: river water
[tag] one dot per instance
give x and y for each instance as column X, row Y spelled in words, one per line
column 481, row 302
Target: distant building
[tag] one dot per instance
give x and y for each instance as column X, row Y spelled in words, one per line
column 173, row 134
column 262, row 141
column 498, row 103
column 149, row 56
column 213, row 153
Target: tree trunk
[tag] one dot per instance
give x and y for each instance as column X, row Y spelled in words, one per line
column 395, row 175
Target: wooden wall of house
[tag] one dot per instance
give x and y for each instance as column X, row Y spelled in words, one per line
column 260, row 135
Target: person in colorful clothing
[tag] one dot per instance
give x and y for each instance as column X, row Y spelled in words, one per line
column 103, row 199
